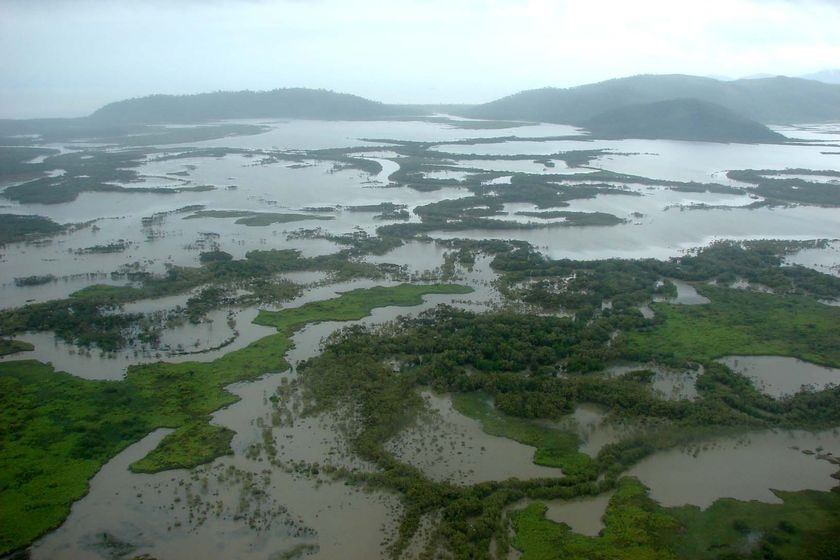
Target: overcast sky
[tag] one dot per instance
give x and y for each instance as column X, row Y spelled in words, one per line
column 68, row 57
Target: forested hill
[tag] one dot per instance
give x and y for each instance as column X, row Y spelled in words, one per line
column 767, row 100
column 299, row 103
column 680, row 119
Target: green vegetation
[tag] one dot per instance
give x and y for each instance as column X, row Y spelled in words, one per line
column 777, row 188
column 355, row 304
column 92, row 317
column 635, row 527
column 502, row 368
column 743, row 323
column 34, row 280
column 15, row 162
column 160, row 135
column 87, row 171
column 190, row 445
column 555, row 448
column 57, row 430
column 8, row 346
column 16, row 227
column 248, row 218
column 804, row 526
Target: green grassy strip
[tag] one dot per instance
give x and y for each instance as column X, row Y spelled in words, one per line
column 555, row 448
column 57, row 430
column 355, row 304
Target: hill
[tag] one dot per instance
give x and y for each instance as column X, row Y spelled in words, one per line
column 680, row 119
column 301, row 103
column 767, row 100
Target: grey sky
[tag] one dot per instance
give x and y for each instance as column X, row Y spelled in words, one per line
column 66, row 57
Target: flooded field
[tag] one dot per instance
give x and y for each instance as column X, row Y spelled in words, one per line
column 448, row 446
column 747, row 467
column 778, row 376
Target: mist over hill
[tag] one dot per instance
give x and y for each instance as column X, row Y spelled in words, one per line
column 300, row 103
column 827, row 76
column 680, row 119
column 767, row 100
column 721, row 111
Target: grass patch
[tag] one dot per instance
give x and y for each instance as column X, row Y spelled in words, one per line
column 743, row 323
column 635, row 527
column 190, row 445
column 787, row 530
column 355, row 304
column 806, row 525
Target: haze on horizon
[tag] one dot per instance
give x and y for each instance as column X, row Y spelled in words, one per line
column 68, row 57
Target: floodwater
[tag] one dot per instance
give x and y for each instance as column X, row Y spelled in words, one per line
column 245, row 506
column 448, row 446
column 686, row 294
column 746, row 467
column 203, row 342
column 590, row 422
column 666, row 159
column 780, row 376
column 584, row 516
column 669, row 384
column 254, row 506
column 670, row 233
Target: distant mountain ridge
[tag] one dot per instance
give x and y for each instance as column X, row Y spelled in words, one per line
column 680, row 119
column 302, row 103
column 767, row 100
column 827, row 76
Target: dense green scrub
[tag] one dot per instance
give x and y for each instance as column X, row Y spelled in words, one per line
column 502, row 368
column 18, row 227
column 57, row 430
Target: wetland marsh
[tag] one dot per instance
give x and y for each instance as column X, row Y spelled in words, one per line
column 408, row 337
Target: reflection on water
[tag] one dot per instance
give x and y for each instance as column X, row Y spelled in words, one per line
column 584, row 516
column 591, row 423
column 667, row 383
column 686, row 294
column 448, row 446
column 202, row 342
column 780, row 376
column 667, row 234
column 744, row 468
column 825, row 260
